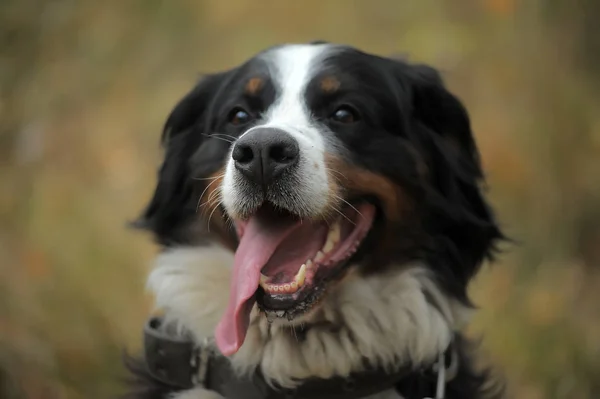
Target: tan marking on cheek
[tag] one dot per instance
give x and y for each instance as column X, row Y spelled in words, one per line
column 333, row 196
column 254, row 85
column 355, row 180
column 329, row 84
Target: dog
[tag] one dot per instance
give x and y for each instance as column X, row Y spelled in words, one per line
column 320, row 213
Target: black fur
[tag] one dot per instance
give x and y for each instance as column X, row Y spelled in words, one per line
column 412, row 130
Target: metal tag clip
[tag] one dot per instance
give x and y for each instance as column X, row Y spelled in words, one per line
column 444, row 374
column 200, row 361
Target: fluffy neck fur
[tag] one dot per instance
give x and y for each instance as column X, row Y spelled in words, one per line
column 392, row 319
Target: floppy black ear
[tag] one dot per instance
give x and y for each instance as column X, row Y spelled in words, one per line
column 443, row 113
column 462, row 214
column 173, row 204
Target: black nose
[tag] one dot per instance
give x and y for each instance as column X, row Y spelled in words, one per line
column 264, row 154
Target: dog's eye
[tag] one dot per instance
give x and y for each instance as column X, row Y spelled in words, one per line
column 239, row 116
column 345, row 114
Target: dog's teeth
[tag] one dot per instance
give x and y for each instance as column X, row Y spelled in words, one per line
column 328, row 246
column 332, row 237
column 280, row 313
column 319, row 256
column 288, row 288
column 309, row 264
column 300, row 276
column 263, row 282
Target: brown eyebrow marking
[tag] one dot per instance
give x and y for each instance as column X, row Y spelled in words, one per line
column 254, row 85
column 329, row 84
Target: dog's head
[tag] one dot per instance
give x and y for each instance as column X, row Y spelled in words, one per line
column 309, row 161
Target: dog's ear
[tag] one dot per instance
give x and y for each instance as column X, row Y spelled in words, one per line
column 172, row 204
column 455, row 173
column 443, row 113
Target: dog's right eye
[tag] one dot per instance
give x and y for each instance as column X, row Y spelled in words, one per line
column 239, row 116
column 345, row 114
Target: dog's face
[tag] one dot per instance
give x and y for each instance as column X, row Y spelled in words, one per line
column 312, row 160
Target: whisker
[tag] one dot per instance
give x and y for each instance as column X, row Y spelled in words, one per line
column 336, row 171
column 214, row 194
column 342, row 213
column 204, row 191
column 222, row 139
column 207, row 202
column 221, row 136
column 210, row 216
column 350, row 205
column 209, row 178
column 201, row 205
column 225, row 135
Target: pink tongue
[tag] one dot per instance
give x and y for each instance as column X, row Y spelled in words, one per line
column 257, row 244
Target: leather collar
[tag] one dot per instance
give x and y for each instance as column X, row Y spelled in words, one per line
column 180, row 363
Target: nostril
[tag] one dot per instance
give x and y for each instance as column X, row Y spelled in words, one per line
column 242, row 153
column 283, row 153
column 279, row 154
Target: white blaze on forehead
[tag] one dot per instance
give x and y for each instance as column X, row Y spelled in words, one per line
column 292, row 68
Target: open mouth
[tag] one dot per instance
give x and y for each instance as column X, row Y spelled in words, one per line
column 284, row 264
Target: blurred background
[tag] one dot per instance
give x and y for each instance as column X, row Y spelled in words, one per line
column 86, row 85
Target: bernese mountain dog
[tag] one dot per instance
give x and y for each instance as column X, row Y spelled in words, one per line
column 320, row 216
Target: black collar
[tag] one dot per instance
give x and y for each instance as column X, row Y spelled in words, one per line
column 182, row 364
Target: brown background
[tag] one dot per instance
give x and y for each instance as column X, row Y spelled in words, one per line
column 86, row 85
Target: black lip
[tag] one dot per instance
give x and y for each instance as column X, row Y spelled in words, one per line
column 280, row 302
column 273, row 306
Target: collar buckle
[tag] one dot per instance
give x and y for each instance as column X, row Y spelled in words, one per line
column 174, row 359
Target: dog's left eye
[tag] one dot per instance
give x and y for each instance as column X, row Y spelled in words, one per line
column 345, row 114
column 239, row 116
